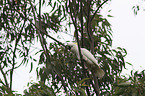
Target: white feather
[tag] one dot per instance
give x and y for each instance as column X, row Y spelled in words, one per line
column 89, row 58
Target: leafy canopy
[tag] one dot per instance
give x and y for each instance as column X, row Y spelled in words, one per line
column 23, row 25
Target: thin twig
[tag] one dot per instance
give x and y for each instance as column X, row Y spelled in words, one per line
column 14, row 55
column 82, row 34
column 98, row 9
column 40, row 30
column 62, row 81
column 44, row 45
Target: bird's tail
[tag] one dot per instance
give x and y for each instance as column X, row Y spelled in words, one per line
column 99, row 72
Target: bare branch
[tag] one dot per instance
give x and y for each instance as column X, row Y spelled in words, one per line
column 88, row 20
column 98, row 9
column 82, row 33
column 14, row 54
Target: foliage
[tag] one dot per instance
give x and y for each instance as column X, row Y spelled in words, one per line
column 39, row 89
column 136, row 8
column 134, row 85
column 18, row 35
column 95, row 31
column 24, row 25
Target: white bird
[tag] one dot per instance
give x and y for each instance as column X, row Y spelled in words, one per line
column 90, row 60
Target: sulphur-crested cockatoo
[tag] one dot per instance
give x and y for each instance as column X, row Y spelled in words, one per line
column 90, row 60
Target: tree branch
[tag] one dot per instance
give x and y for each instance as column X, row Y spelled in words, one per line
column 96, row 86
column 39, row 29
column 42, row 40
column 14, row 55
column 62, row 81
column 90, row 34
column 98, row 9
column 88, row 20
column 82, row 35
column 82, row 63
column 76, row 32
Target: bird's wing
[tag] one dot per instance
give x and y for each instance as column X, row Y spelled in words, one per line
column 89, row 55
column 90, row 59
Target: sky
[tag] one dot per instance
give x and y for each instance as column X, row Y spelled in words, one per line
column 128, row 33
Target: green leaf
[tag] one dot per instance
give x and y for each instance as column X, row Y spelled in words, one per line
column 129, row 63
column 109, row 10
column 41, row 59
column 124, row 84
column 109, row 15
column 80, row 82
column 54, row 6
column 81, row 91
column 31, row 67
